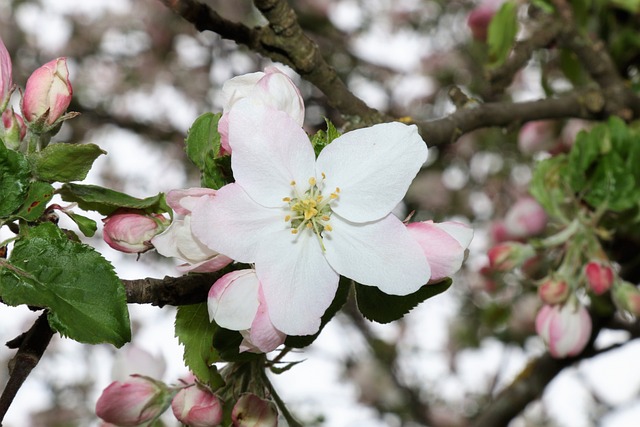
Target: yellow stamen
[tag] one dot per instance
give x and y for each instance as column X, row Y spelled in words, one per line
column 312, row 181
column 286, row 199
column 287, row 218
column 328, row 227
column 323, row 175
column 294, row 231
column 293, row 183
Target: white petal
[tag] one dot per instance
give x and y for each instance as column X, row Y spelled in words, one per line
column 459, row 231
column 233, row 224
column 373, row 168
column 380, row 253
column 238, row 88
column 233, row 300
column 270, row 150
column 297, row 281
column 277, row 90
column 166, row 243
column 442, row 251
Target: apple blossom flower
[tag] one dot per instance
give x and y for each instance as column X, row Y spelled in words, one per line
column 131, row 231
column 236, row 301
column 626, row 296
column 509, row 255
column 525, row 218
column 178, row 241
column 133, row 402
column 565, row 329
column 305, row 222
column 47, row 93
column 13, row 129
column 6, row 81
column 272, row 88
column 599, row 277
column 443, row 244
column 252, row 411
column 553, row 291
column 196, row 407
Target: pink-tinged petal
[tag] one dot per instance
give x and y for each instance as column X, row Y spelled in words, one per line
column 443, row 252
column 233, row 224
column 216, row 263
column 458, row 230
column 182, row 201
column 223, row 130
column 373, row 168
column 6, row 80
column 233, row 300
column 263, row 337
column 297, row 281
column 270, row 151
column 48, row 91
column 380, row 253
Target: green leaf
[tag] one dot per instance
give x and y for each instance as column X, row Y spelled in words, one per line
column 64, row 162
column 195, row 333
column 105, row 201
column 85, row 298
column 632, row 6
column 300, row 341
column 14, row 180
column 36, row 201
column 323, row 138
column 550, row 187
column 501, row 34
column 544, row 5
column 86, row 225
column 203, row 148
column 382, row 308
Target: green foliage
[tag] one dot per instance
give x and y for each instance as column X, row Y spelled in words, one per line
column 300, row 341
column 603, row 166
column 64, row 162
column 86, row 225
column 501, row 34
column 195, row 333
column 323, row 138
column 35, row 203
column 632, row 6
column 549, row 185
column 203, row 148
column 383, row 308
column 14, row 180
column 85, row 298
column 105, row 201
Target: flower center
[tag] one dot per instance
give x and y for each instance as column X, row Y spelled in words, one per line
column 310, row 210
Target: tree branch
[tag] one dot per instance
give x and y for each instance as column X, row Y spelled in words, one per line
column 32, row 345
column 284, row 41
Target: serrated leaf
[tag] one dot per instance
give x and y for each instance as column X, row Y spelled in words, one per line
column 227, row 343
column 323, row 138
column 14, row 180
column 195, row 333
column 85, row 298
column 501, row 34
column 379, row 307
column 87, row 226
column 105, row 201
column 64, row 162
column 217, row 172
column 300, row 341
column 36, row 200
column 550, row 187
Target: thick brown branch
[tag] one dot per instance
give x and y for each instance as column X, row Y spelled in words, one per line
column 183, row 290
column 32, row 346
column 284, row 41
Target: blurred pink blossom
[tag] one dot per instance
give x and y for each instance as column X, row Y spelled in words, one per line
column 525, row 218
column 553, row 291
column 565, row 329
column 599, row 277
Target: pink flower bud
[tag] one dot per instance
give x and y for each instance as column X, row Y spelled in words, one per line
column 48, row 92
column 131, row 231
column 509, row 255
column 479, row 18
column 536, row 136
column 5, row 75
column 525, row 218
column 272, row 88
column 132, row 402
column 599, row 277
column 13, row 129
column 565, row 329
column 553, row 291
column 627, row 297
column 252, row 411
column 196, row 407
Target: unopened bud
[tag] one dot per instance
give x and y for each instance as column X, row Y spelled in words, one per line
column 509, row 255
column 252, row 411
column 47, row 94
column 197, row 407
column 565, row 329
column 553, row 291
column 131, row 231
column 6, row 81
column 599, row 277
column 626, row 296
column 13, row 129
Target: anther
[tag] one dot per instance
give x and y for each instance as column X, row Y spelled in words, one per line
column 287, row 218
column 312, row 181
